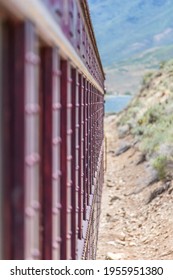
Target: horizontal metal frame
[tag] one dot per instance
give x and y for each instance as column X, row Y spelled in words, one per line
column 49, row 30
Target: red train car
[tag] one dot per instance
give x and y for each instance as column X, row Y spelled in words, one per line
column 51, row 130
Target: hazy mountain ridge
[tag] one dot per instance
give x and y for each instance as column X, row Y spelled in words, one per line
column 128, row 27
column 126, row 76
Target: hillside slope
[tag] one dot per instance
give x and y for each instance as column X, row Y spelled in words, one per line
column 137, row 201
column 149, row 119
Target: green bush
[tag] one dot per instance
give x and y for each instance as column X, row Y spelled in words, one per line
column 147, row 78
column 159, row 164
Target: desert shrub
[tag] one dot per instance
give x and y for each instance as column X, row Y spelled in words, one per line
column 147, row 78
column 159, row 164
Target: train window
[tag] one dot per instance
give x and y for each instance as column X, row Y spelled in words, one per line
column 1, row 199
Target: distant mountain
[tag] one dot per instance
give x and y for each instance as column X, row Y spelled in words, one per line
column 126, row 75
column 124, row 28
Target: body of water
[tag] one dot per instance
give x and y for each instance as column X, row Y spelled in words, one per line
column 115, row 104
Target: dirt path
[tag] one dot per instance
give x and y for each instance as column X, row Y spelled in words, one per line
column 130, row 228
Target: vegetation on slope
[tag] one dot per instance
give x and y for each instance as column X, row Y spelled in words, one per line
column 150, row 119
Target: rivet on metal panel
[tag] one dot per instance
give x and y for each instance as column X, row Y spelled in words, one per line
column 35, row 204
column 57, row 73
column 69, row 106
column 58, row 239
column 55, row 210
column 35, row 253
column 56, row 106
column 32, row 159
column 29, row 211
column 58, row 205
column 69, row 158
column 69, row 131
column 55, row 245
column 32, row 109
column 32, row 58
column 56, row 140
column 56, row 175
column 69, row 80
column 68, row 236
column 77, row 168
column 69, row 184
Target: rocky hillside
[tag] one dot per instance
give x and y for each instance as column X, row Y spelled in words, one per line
column 149, row 118
column 137, row 202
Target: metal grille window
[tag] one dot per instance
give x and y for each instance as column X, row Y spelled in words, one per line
column 52, row 131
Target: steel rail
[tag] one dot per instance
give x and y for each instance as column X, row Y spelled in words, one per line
column 49, row 30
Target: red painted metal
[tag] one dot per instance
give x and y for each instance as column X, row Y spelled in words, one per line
column 19, row 135
column 32, row 145
column 8, row 119
column 56, row 147
column 53, row 135
column 80, row 181
column 74, row 166
column 46, row 83
column 66, row 161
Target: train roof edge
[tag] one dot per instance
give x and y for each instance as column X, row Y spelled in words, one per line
column 86, row 10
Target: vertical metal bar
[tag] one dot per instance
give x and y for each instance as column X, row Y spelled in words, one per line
column 77, row 155
column 1, row 149
column 32, row 145
column 19, row 144
column 84, row 148
column 74, row 196
column 47, row 192
column 56, row 148
column 8, row 134
column 80, row 181
column 89, row 137
column 66, row 161
column 86, row 140
column 92, row 137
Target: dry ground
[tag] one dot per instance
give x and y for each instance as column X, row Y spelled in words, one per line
column 130, row 228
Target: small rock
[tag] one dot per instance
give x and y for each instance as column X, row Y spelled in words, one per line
column 108, row 185
column 125, row 146
column 121, row 236
column 115, row 243
column 115, row 198
column 123, row 131
column 117, row 256
column 141, row 158
column 132, row 244
column 108, row 215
